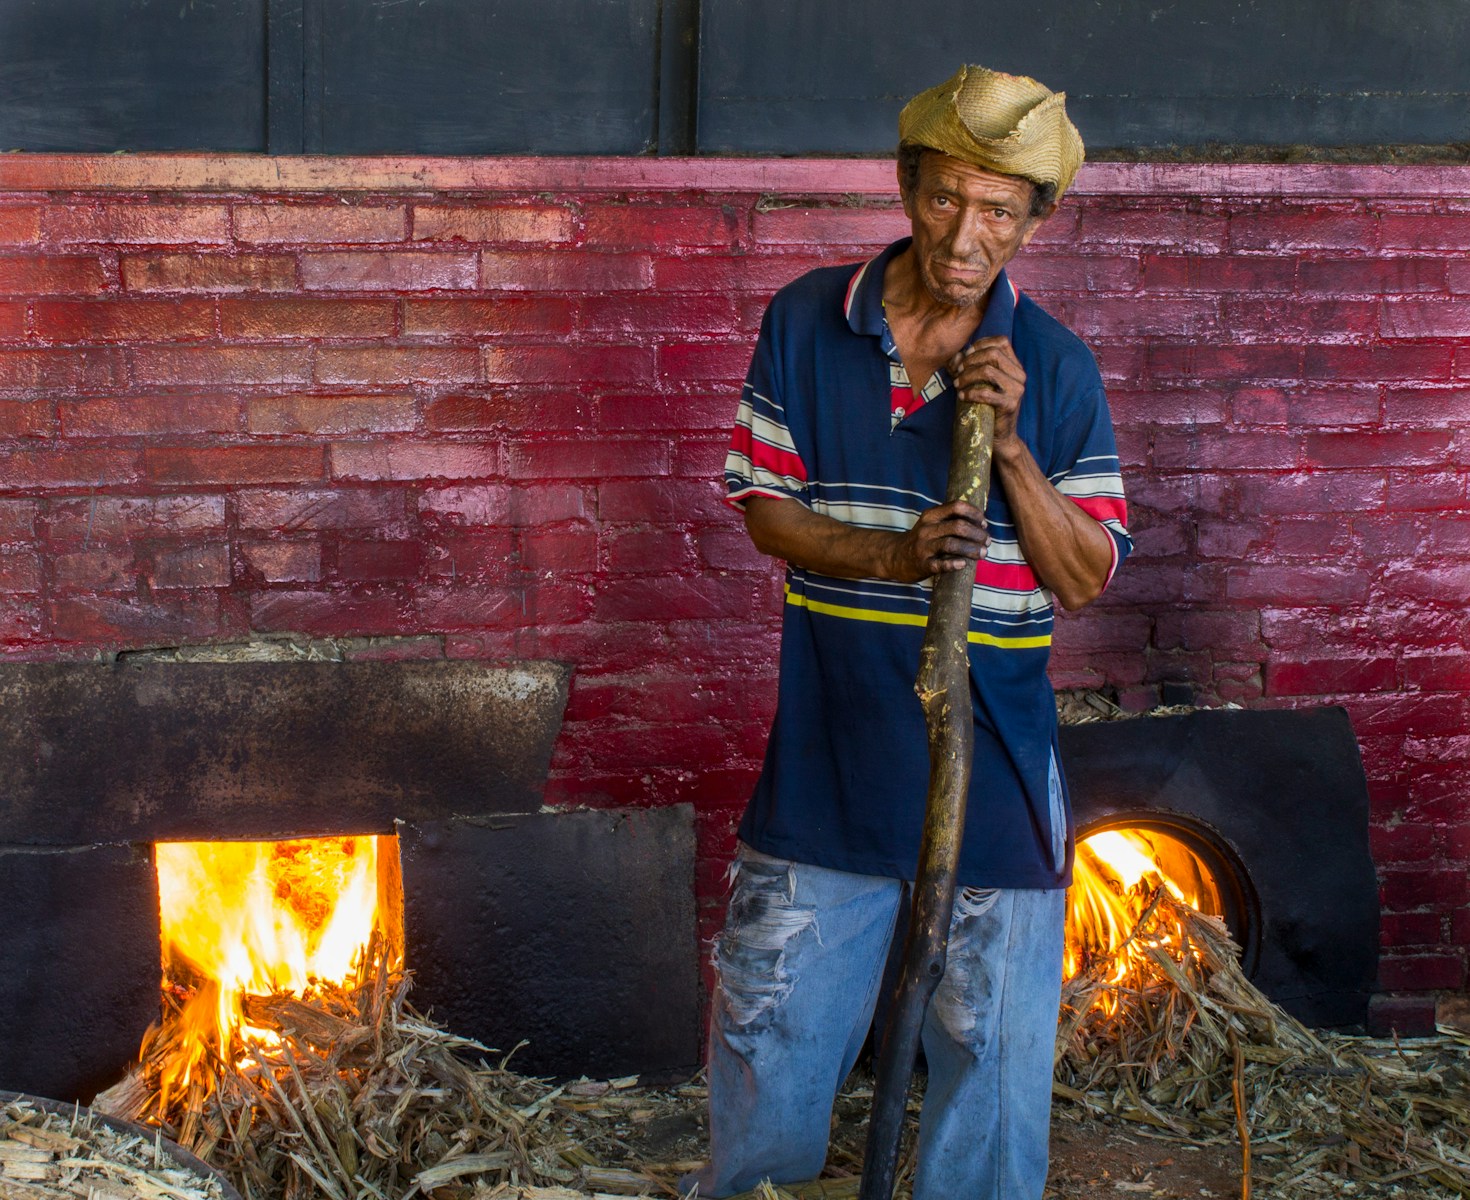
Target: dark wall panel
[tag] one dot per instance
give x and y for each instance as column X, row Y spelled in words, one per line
column 79, row 75
column 478, row 77
column 830, row 77
column 772, row 76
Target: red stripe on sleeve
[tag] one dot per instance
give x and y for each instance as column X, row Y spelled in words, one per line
column 736, row 500
column 1103, row 508
column 766, row 457
column 1009, row 577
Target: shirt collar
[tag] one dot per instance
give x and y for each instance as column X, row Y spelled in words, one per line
column 863, row 303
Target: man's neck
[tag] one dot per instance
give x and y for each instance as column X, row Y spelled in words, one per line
column 927, row 332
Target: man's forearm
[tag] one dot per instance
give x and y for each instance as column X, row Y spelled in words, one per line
column 942, row 539
column 789, row 530
column 1069, row 551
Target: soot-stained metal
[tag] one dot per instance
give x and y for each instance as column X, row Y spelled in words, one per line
column 92, row 753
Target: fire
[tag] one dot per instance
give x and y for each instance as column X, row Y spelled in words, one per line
column 1116, row 874
column 252, row 918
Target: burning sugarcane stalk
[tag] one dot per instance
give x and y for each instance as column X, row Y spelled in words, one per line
column 346, row 1092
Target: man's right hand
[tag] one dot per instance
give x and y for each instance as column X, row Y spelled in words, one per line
column 944, row 538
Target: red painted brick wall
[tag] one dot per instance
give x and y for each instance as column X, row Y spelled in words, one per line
column 481, row 406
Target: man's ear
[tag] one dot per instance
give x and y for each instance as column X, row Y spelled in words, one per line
column 903, row 193
column 1036, row 223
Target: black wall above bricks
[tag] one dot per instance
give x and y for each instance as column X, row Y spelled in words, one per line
column 711, row 76
column 829, row 76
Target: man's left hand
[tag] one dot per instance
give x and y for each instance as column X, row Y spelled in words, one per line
column 1069, row 551
column 988, row 372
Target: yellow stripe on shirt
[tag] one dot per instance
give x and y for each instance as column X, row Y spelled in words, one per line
column 894, row 618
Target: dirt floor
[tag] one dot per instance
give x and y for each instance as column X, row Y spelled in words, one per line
column 1090, row 1157
column 1388, row 1122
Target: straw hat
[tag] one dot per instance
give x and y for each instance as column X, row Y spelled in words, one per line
column 1005, row 123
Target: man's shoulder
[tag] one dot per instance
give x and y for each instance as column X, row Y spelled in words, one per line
column 1042, row 338
column 819, row 291
column 1037, row 325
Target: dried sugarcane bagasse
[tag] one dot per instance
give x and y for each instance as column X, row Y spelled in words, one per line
column 1186, row 1045
column 360, row 1097
column 49, row 1152
column 348, row 1093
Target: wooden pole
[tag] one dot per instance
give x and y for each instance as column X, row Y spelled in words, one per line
column 943, row 687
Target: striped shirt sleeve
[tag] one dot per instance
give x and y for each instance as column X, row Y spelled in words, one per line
column 1092, row 480
column 763, row 458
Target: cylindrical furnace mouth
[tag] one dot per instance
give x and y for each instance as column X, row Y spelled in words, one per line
column 1121, row 860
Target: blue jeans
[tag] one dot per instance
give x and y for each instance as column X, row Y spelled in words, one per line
column 800, row 964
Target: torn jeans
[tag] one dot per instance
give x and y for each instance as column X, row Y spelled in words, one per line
column 800, row 964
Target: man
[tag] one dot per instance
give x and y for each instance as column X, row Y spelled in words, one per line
column 840, row 458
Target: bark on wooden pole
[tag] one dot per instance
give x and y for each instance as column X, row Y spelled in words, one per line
column 943, row 686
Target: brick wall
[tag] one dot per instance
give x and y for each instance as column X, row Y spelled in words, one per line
column 478, row 407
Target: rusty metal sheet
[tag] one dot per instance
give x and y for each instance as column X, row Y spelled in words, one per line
column 155, row 751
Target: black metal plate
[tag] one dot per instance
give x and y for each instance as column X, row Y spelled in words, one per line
column 572, row 930
column 174, row 751
column 80, row 984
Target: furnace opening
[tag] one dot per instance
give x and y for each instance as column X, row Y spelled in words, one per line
column 1120, row 867
column 246, row 920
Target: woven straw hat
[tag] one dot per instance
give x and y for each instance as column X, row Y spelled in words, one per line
column 1005, row 123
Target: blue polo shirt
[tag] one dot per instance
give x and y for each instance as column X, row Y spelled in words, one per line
column 828, row 419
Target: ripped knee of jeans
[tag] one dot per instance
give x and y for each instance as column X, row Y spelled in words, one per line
column 972, row 902
column 958, row 997
column 751, row 952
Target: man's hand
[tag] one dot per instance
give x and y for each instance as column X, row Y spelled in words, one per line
column 1069, row 551
column 946, row 538
column 988, row 372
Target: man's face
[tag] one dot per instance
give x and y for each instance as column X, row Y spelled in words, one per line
column 968, row 223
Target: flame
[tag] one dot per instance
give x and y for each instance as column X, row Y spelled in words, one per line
column 242, row 918
column 1116, row 874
